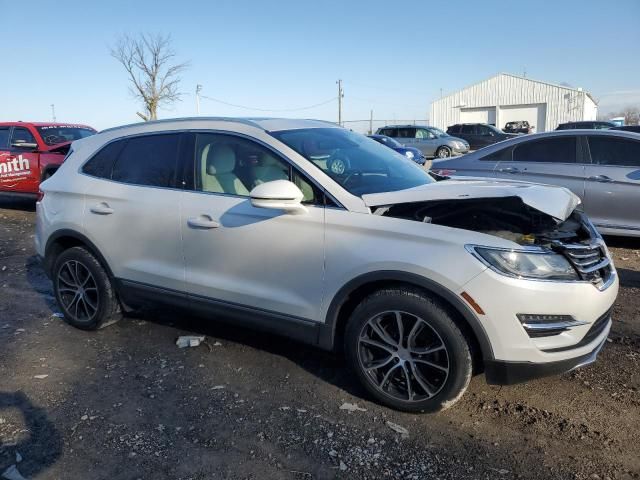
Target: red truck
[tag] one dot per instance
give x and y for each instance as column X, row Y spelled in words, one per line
column 31, row 152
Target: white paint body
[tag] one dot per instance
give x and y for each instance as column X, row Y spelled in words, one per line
column 295, row 264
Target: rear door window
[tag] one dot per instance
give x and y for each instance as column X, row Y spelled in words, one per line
column 101, row 164
column 148, row 160
column 614, row 151
column 552, row 150
column 4, row 137
column 502, row 155
column 406, row 132
column 390, row 132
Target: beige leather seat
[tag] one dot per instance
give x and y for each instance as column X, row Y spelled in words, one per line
column 269, row 169
column 217, row 171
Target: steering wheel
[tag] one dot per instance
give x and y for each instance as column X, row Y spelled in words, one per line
column 350, row 176
column 51, row 139
column 338, row 165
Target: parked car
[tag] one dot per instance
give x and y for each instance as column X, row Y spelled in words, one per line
column 519, row 126
column 589, row 125
column 431, row 141
column 628, row 128
column 32, row 152
column 478, row 135
column 409, row 152
column 602, row 167
column 417, row 281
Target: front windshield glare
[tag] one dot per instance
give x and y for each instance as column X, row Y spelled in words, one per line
column 359, row 164
column 438, row 133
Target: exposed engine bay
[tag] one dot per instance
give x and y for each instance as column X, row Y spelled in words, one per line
column 506, row 217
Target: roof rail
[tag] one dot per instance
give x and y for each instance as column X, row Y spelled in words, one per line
column 246, row 121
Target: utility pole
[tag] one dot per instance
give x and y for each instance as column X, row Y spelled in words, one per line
column 371, row 123
column 441, row 93
column 53, row 112
column 198, row 90
column 340, row 96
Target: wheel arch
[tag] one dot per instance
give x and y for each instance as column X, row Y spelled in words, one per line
column 350, row 295
column 62, row 240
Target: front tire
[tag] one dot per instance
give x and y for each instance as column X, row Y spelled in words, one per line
column 407, row 351
column 84, row 291
column 443, row 152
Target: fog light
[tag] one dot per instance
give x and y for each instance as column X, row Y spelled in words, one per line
column 545, row 325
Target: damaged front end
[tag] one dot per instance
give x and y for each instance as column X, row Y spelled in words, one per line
column 574, row 238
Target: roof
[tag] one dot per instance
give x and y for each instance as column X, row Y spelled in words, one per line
column 573, row 89
column 263, row 123
column 44, row 124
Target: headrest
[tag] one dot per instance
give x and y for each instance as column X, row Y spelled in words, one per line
column 270, row 161
column 220, row 159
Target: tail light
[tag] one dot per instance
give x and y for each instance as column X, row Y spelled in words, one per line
column 40, row 195
column 445, row 172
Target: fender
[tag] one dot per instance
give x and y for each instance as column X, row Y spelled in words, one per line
column 327, row 334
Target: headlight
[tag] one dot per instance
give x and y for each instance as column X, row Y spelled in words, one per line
column 521, row 264
column 409, row 155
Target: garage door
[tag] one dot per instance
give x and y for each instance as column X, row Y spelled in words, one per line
column 478, row 115
column 535, row 114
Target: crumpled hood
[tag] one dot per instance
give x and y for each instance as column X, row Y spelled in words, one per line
column 558, row 202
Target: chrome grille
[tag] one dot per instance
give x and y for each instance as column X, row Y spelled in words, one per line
column 589, row 260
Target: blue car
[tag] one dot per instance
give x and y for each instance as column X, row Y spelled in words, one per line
column 409, row 152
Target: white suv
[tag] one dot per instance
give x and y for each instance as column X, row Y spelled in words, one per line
column 305, row 229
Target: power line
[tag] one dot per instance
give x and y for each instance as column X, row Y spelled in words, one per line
column 309, row 107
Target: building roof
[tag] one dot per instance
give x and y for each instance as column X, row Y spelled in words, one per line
column 520, row 77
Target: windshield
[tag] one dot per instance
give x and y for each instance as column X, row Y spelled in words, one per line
column 438, row 133
column 54, row 134
column 359, row 164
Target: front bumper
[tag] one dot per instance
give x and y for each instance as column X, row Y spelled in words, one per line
column 460, row 151
column 500, row 372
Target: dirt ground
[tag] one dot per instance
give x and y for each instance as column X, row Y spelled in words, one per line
column 126, row 403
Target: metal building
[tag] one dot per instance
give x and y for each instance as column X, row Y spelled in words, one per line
column 504, row 98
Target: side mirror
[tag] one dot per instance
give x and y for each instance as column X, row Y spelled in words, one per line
column 278, row 195
column 25, row 145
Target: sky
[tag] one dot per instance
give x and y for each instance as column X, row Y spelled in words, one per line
column 393, row 57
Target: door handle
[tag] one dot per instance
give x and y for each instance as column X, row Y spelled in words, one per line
column 510, row 170
column 101, row 209
column 203, row 222
column 600, row 178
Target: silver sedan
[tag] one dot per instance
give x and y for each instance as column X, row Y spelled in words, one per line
column 602, row 167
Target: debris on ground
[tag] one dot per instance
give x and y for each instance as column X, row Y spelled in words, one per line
column 398, row 429
column 57, row 315
column 12, row 473
column 352, row 407
column 40, row 377
column 189, row 341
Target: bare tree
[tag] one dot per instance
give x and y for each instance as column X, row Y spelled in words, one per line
column 631, row 115
column 150, row 63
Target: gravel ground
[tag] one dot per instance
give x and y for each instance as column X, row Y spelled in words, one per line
column 126, row 403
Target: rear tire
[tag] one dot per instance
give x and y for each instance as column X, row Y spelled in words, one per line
column 407, row 351
column 84, row 291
